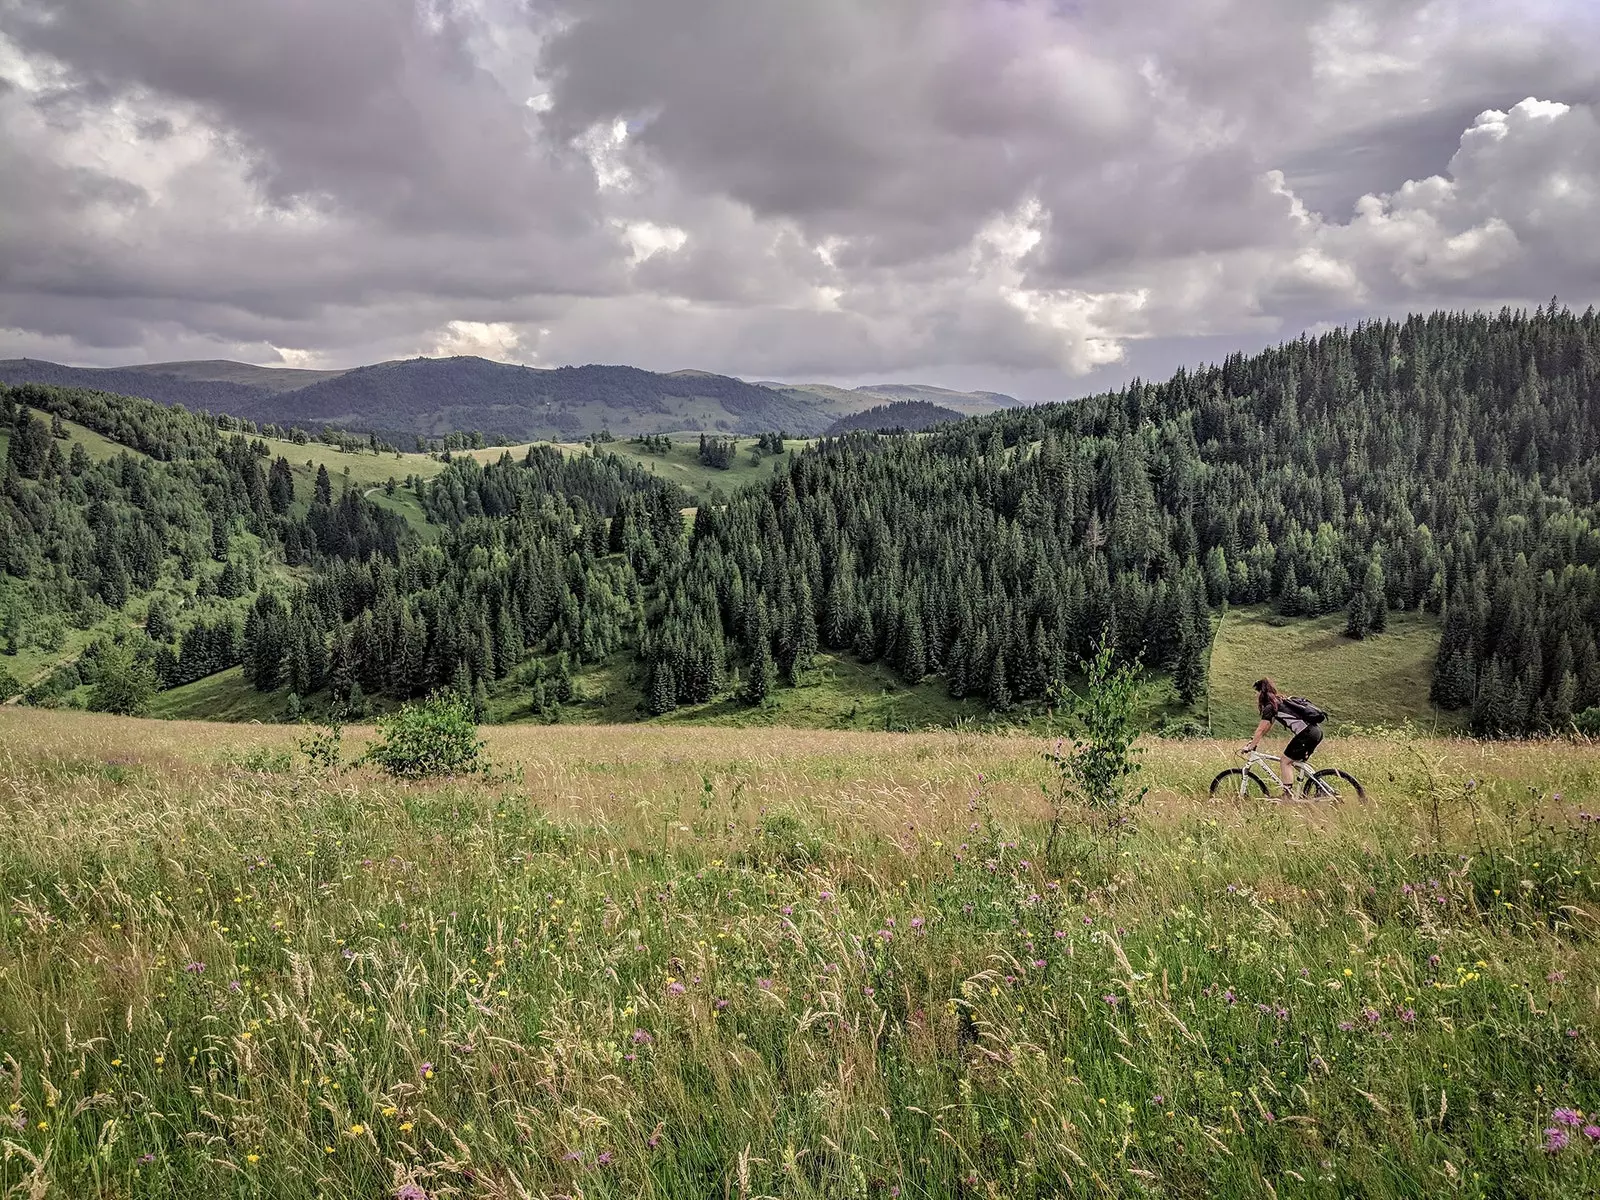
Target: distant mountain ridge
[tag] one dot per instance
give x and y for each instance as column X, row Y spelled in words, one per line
column 432, row 396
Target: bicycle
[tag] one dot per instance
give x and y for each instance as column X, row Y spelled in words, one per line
column 1330, row 783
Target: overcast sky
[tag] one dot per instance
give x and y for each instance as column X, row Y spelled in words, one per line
column 1036, row 196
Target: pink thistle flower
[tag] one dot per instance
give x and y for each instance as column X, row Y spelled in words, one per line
column 410, row 1191
column 1592, row 1132
column 1567, row 1116
column 195, row 968
column 641, row 1038
column 675, row 988
column 1555, row 1140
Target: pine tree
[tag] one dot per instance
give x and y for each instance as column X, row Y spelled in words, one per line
column 1190, row 676
column 663, row 690
column 1358, row 622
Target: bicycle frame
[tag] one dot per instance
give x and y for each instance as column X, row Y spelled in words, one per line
column 1304, row 777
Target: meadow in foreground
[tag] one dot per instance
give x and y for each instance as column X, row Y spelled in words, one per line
column 695, row 962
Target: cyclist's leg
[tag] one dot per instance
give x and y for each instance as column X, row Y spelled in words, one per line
column 1300, row 748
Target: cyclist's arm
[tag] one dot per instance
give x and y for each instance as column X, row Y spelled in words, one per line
column 1261, row 732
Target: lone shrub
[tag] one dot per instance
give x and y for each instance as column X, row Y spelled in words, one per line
column 1097, row 775
column 436, row 737
column 126, row 683
column 324, row 745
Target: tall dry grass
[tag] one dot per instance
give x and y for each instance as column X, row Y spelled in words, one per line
column 765, row 962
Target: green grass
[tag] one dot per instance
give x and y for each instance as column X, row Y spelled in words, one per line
column 681, row 465
column 663, row 962
column 99, row 448
column 225, row 696
column 1382, row 680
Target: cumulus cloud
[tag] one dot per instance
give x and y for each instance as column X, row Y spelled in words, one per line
column 1022, row 192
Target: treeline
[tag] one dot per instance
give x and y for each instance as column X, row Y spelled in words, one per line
column 527, row 563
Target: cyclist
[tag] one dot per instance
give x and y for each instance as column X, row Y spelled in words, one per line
column 1302, row 718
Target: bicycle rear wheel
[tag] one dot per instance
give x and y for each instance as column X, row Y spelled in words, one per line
column 1336, row 785
column 1237, row 781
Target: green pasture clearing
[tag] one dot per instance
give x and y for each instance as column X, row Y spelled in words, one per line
column 1382, row 680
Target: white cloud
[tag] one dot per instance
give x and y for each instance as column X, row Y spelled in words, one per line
column 850, row 186
column 498, row 340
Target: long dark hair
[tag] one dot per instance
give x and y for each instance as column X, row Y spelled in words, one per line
column 1267, row 696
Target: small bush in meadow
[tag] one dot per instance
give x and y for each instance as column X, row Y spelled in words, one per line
column 436, row 737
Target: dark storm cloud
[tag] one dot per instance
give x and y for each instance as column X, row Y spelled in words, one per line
column 1021, row 189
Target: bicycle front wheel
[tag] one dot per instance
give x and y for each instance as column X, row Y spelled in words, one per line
column 1336, row 785
column 1237, row 781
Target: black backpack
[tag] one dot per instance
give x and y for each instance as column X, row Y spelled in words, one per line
column 1299, row 706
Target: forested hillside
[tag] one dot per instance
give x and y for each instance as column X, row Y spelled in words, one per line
column 1450, row 463
column 900, row 416
column 1446, row 465
column 190, row 512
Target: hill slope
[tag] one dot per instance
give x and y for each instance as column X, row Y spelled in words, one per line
column 908, row 416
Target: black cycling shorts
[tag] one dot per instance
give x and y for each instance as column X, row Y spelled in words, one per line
column 1302, row 744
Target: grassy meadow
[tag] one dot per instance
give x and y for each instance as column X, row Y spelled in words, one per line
column 1381, row 680
column 678, row 961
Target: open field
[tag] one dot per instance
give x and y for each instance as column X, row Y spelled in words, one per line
column 670, row 961
column 1382, row 680
column 681, row 465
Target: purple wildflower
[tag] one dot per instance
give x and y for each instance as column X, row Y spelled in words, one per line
column 1555, row 977
column 1111, row 999
column 1555, row 1140
column 410, row 1191
column 674, row 988
column 1592, row 1132
column 764, row 984
column 605, row 1159
column 425, row 1070
column 195, row 968
column 1158, row 1100
column 641, row 1038
column 918, row 922
column 1229, row 997
column 720, row 1004
column 1567, row 1116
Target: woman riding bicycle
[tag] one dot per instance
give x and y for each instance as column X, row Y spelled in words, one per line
column 1299, row 717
